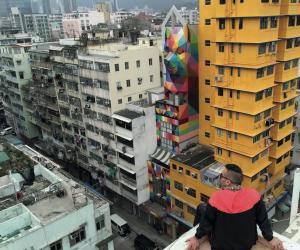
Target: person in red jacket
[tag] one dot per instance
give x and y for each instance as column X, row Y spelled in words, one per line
column 232, row 215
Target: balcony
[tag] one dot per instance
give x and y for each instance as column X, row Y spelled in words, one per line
column 93, row 74
column 130, row 195
column 39, row 64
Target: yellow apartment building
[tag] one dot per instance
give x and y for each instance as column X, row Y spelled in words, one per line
column 249, row 52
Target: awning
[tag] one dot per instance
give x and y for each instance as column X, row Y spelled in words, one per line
column 126, row 169
column 124, row 137
column 122, row 118
column 162, row 155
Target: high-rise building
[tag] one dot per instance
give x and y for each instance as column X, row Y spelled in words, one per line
column 248, row 71
column 38, row 24
column 16, row 74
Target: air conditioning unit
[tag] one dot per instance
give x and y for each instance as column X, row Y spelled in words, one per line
column 87, row 106
column 186, row 188
column 180, row 171
column 193, row 174
column 219, row 78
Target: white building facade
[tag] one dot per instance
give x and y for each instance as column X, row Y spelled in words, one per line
column 62, row 214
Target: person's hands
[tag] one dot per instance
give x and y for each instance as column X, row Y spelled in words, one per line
column 193, row 243
column 276, row 244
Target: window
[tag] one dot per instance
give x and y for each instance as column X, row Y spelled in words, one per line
column 220, row 112
column 283, row 105
column 233, row 23
column 219, row 151
column 237, row 115
column 262, row 49
column 178, row 185
column 207, row 82
column 207, row 42
column 204, row 198
column 259, row 96
column 120, row 101
column 281, row 125
column 77, row 236
column 255, row 158
column 274, row 21
column 221, row 47
column 126, row 65
column 21, row 74
column 128, row 83
column 191, row 192
column 222, row 1
column 117, row 67
column 207, row 62
column 221, row 23
column 138, row 63
column 150, row 62
column 151, row 78
column 207, row 134
column 129, row 99
column 207, row 118
column 100, row 222
column 188, row 172
column 295, row 63
column 287, row 65
column 219, row 132
column 56, row 245
column 179, row 203
column 267, row 113
column 263, row 23
column 257, row 118
column 140, row 80
column 207, row 22
column 174, row 167
column 220, row 92
column 191, row 210
column 268, row 92
column 292, row 21
column 235, row 135
column 270, row 70
column 289, row 43
column 239, row 72
column 207, row 100
column 140, row 96
column 260, row 73
column 207, row 2
column 241, row 23
column 221, row 70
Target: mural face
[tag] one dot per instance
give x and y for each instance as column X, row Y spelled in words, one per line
column 181, row 57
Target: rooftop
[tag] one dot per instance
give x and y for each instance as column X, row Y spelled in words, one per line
column 197, row 157
column 180, row 243
column 33, row 196
column 130, row 114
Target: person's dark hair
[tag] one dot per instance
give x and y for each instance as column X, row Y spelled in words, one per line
column 235, row 173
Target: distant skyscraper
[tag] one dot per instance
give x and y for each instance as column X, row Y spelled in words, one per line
column 116, row 5
column 41, row 6
column 70, row 5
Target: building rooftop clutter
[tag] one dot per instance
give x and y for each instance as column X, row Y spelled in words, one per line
column 31, row 199
column 130, row 114
column 181, row 243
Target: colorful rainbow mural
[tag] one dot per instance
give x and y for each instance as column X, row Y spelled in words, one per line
column 180, row 105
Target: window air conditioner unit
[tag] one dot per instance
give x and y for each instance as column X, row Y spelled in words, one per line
column 219, row 78
column 186, row 188
column 193, row 174
column 180, row 171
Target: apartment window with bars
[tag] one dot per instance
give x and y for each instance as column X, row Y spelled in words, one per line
column 100, row 222
column 77, row 236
